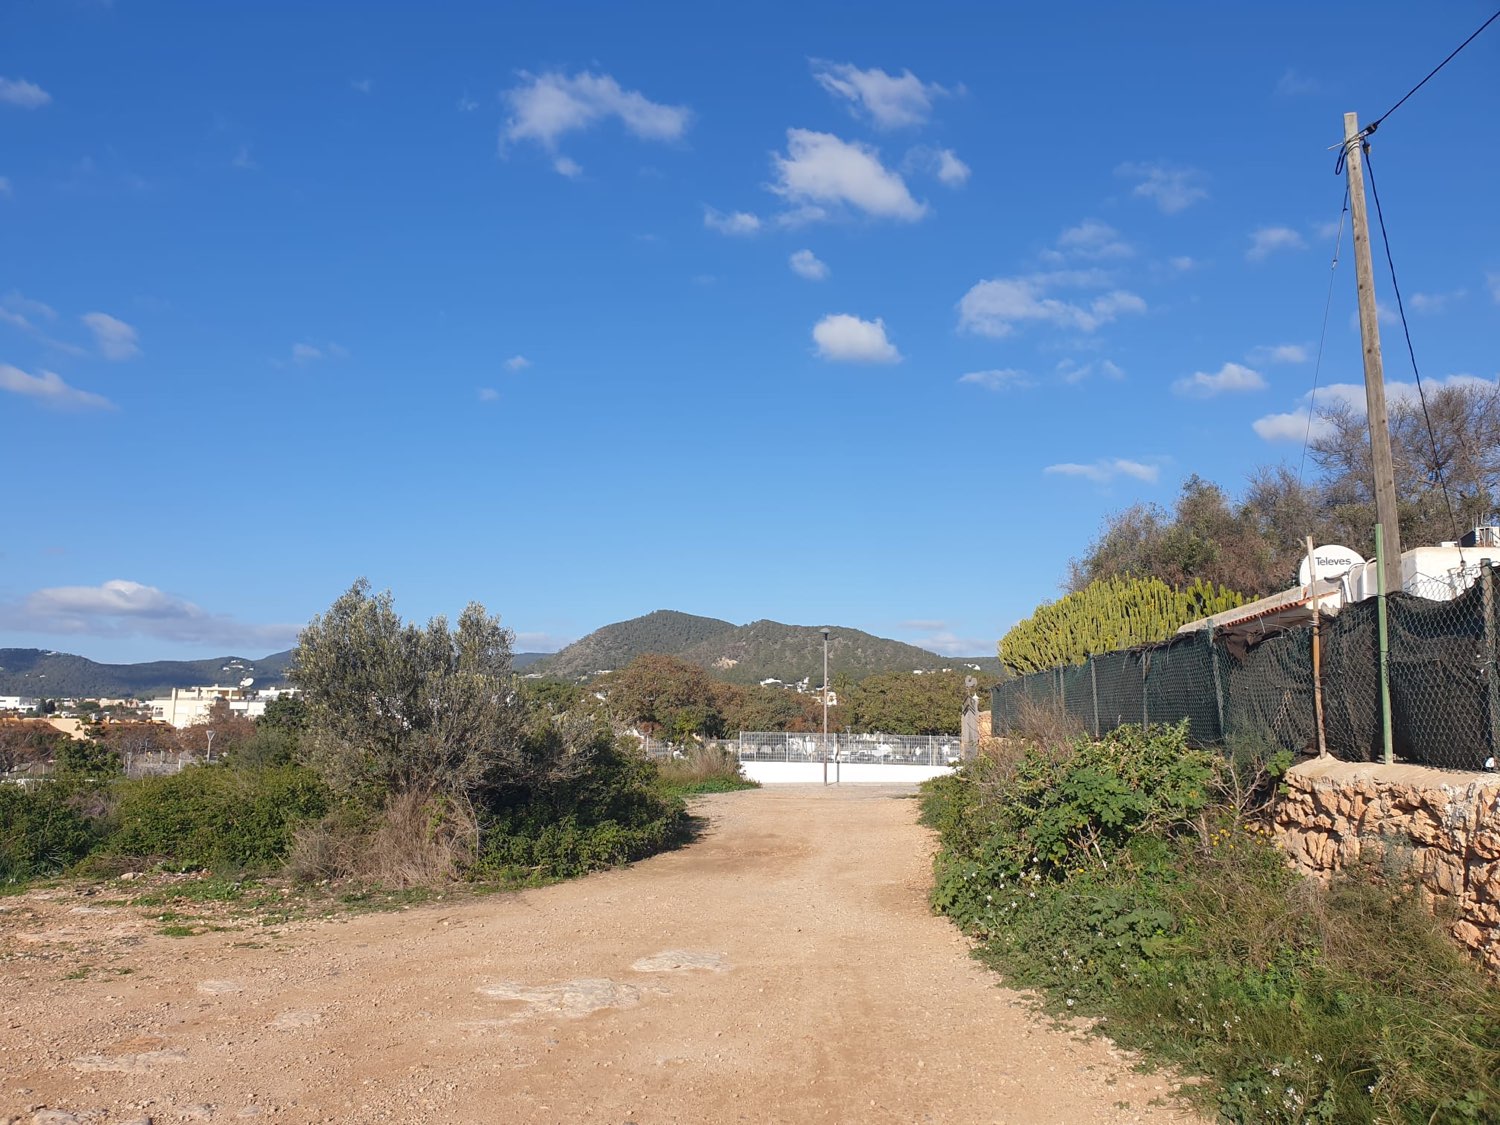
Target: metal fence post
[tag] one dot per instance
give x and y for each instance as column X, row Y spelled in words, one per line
column 1383, row 632
column 1094, row 691
column 1492, row 685
column 1145, row 700
column 1213, row 664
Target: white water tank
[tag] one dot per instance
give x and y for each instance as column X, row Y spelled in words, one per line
column 1436, row 573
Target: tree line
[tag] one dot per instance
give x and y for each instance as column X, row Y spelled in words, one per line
column 1211, row 552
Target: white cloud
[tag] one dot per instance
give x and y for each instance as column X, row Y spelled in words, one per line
column 488, row 394
column 1279, row 353
column 994, row 307
column 889, row 101
column 243, row 160
column 467, row 104
column 113, row 337
column 1267, row 240
column 544, row 107
column 1291, row 84
column 49, row 389
column 951, row 170
column 1090, row 240
column 945, row 642
column 806, row 264
column 26, row 95
column 1435, row 302
column 736, row 222
column 543, row 642
column 820, row 169
column 998, row 379
column 20, row 311
column 940, row 162
column 121, row 607
column 1229, row 379
column 567, row 166
column 5, row 186
column 1292, row 426
column 847, row 339
column 1069, row 371
column 362, row 85
column 1182, row 263
column 1172, row 189
column 1106, row 470
column 517, row 363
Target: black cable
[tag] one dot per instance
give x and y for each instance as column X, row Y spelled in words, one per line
column 1338, row 167
column 1312, row 401
column 1370, row 128
column 1410, row 350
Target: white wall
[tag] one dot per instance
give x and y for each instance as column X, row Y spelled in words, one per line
column 802, row 773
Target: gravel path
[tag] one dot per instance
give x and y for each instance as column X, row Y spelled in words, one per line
column 783, row 968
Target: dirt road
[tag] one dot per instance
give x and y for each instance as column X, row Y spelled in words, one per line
column 783, row 968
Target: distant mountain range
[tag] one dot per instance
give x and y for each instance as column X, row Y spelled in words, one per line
column 38, row 673
column 742, row 654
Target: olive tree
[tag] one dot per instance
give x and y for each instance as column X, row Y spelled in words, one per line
column 394, row 707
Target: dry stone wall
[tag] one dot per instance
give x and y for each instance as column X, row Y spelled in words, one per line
column 1440, row 827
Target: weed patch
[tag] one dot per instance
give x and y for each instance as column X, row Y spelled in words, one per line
column 1126, row 880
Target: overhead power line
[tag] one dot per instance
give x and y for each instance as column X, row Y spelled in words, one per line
column 1372, row 126
column 1437, row 458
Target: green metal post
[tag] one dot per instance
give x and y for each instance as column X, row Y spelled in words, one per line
column 1094, row 691
column 1213, row 663
column 1385, row 645
column 1492, row 700
column 1145, row 703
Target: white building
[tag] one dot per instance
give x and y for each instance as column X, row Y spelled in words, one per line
column 186, row 706
column 16, row 703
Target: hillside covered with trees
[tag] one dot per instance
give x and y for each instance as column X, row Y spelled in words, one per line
column 743, row 654
column 38, row 673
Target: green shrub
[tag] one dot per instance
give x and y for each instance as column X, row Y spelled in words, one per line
column 42, row 831
column 609, row 811
column 1123, row 884
column 215, row 817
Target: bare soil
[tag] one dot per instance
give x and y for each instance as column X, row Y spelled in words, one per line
column 784, row 967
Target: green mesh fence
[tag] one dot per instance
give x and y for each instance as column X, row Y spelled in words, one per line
column 1442, row 659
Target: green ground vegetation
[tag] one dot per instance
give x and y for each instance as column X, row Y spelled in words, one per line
column 1134, row 880
column 413, row 758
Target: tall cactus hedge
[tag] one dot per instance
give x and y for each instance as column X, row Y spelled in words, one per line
column 1109, row 614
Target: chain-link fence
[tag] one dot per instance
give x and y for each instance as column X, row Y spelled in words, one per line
column 886, row 749
column 1441, row 656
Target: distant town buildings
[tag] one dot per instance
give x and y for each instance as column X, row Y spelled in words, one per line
column 187, row 706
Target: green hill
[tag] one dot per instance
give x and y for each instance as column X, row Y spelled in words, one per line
column 767, row 649
column 39, row 673
column 614, row 646
column 744, row 654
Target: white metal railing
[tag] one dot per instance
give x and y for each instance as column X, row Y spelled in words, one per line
column 884, row 749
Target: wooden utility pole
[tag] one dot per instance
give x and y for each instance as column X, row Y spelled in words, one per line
column 1381, row 464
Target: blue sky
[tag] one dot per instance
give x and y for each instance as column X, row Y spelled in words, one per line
column 583, row 311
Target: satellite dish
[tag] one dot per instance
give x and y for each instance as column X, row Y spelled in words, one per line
column 247, row 681
column 1333, row 561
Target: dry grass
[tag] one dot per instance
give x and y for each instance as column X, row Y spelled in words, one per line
column 416, row 840
column 702, row 769
column 1047, row 726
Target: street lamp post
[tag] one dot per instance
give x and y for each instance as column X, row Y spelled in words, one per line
column 825, row 706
